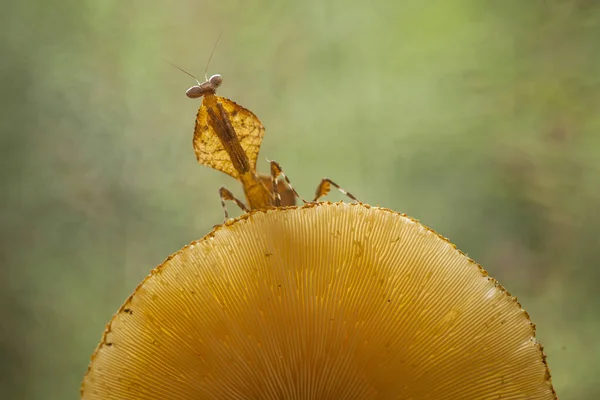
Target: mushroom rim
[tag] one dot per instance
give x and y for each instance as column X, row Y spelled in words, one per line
column 248, row 216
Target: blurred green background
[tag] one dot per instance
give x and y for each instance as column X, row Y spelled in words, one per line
column 478, row 117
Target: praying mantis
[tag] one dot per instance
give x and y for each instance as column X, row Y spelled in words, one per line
column 227, row 137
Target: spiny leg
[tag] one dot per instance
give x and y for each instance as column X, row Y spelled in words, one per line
column 288, row 198
column 325, row 186
column 276, row 171
column 225, row 194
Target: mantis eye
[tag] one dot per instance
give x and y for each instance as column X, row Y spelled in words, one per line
column 195, row 91
column 215, row 80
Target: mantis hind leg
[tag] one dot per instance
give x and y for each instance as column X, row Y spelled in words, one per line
column 276, row 172
column 325, row 187
column 225, row 195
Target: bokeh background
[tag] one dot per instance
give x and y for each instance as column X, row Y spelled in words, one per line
column 480, row 118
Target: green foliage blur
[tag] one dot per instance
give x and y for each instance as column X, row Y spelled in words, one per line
column 478, row 117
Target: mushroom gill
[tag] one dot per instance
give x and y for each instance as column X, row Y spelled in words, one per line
column 324, row 301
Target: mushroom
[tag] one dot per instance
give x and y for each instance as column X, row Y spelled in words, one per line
column 323, row 301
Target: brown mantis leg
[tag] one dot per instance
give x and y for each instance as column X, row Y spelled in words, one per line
column 225, row 194
column 276, row 172
column 325, row 186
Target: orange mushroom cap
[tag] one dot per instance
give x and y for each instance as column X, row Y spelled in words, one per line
column 324, row 301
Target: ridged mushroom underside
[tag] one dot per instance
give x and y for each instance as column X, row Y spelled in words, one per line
column 327, row 301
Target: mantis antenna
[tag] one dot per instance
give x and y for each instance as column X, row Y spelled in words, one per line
column 207, row 63
column 211, row 55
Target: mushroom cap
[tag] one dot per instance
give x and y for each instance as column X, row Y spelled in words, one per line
column 324, row 301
